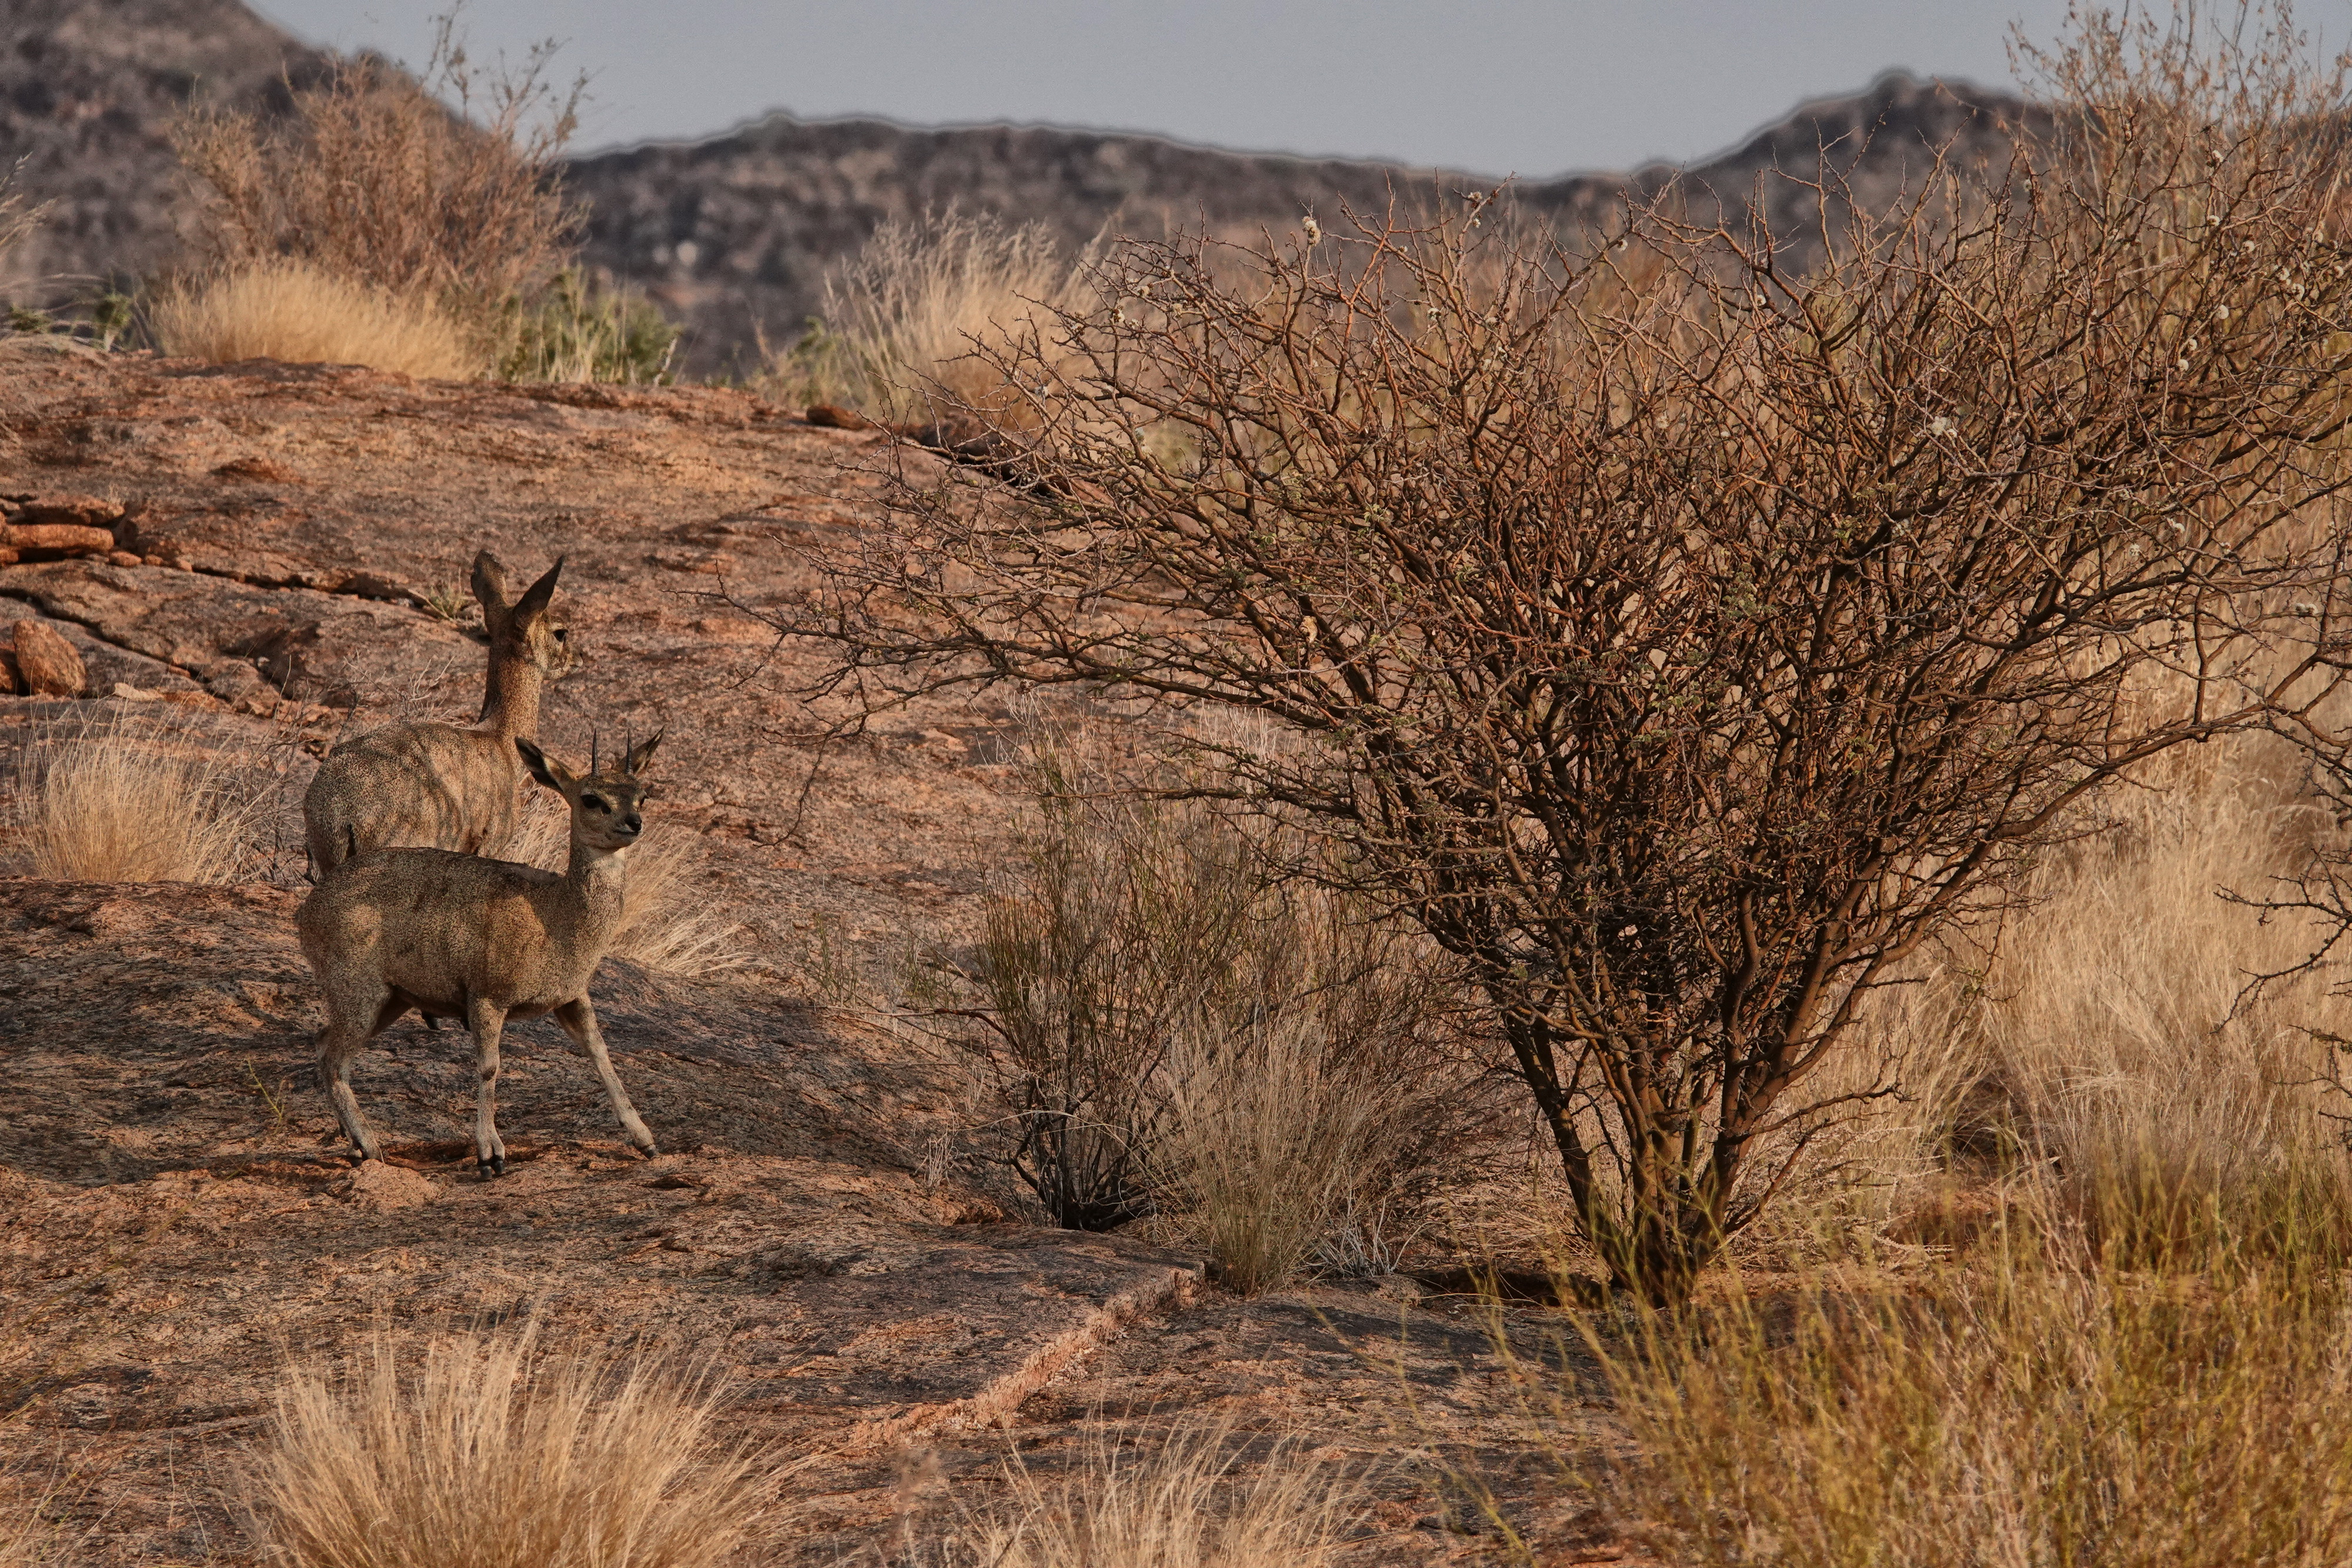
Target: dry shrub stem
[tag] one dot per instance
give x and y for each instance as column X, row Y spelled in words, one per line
column 1169, row 1034
column 485, row 1453
column 1683, row 644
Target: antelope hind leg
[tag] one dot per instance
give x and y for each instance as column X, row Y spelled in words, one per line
column 486, row 1021
column 337, row 1043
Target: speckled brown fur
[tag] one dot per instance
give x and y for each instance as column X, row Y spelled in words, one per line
column 483, row 940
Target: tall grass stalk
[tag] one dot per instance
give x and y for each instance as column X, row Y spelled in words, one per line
column 2117, row 1037
column 916, row 323
column 1200, row 1500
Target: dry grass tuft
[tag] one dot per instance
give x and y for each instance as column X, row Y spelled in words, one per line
column 917, row 324
column 2024, row 1414
column 1253, row 1062
column 1196, row 1501
column 485, row 1454
column 2121, row 1053
column 18, row 219
column 294, row 311
column 126, row 805
column 669, row 922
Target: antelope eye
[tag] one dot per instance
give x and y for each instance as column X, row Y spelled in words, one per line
column 594, row 802
column 563, row 634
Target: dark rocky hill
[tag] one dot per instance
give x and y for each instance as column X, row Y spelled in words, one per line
column 87, row 88
column 733, row 234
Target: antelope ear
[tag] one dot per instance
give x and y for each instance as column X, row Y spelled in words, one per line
column 489, row 588
column 534, row 598
column 543, row 767
column 639, row 755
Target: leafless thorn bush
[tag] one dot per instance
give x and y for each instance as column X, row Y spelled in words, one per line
column 1683, row 644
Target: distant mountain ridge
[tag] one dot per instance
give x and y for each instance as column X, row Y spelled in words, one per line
column 732, row 233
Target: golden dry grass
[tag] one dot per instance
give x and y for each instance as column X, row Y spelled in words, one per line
column 905, row 319
column 298, row 312
column 2132, row 1354
column 669, row 922
column 1200, row 1500
column 2028, row 1413
column 2119, row 1047
column 128, row 805
column 481, row 1454
column 369, row 178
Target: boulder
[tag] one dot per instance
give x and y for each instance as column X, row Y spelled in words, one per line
column 46, row 661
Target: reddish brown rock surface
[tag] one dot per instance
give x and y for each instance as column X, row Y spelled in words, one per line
column 181, row 1215
column 46, row 662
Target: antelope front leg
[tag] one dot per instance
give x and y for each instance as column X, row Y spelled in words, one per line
column 486, row 1021
column 579, row 1020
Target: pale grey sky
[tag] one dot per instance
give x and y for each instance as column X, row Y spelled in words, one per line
column 1527, row 87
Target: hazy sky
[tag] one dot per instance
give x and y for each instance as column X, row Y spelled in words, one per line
column 1497, row 87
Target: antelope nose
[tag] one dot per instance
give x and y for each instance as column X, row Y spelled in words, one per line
column 633, row 824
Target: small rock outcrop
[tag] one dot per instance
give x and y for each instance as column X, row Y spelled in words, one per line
column 46, row 664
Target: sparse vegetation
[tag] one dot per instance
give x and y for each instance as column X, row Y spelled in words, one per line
column 2014, row 1410
column 441, row 223
column 126, row 804
column 581, row 329
column 1173, row 1033
column 293, row 310
column 1685, row 644
column 489, row 1451
column 17, row 217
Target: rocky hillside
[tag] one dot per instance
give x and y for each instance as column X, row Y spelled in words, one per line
column 87, row 88
column 733, row 234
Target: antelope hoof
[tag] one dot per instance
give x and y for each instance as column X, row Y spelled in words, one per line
column 496, row 1166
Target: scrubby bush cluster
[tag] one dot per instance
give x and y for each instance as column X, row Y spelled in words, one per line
column 1685, row 644
column 1170, row 1031
column 374, row 224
